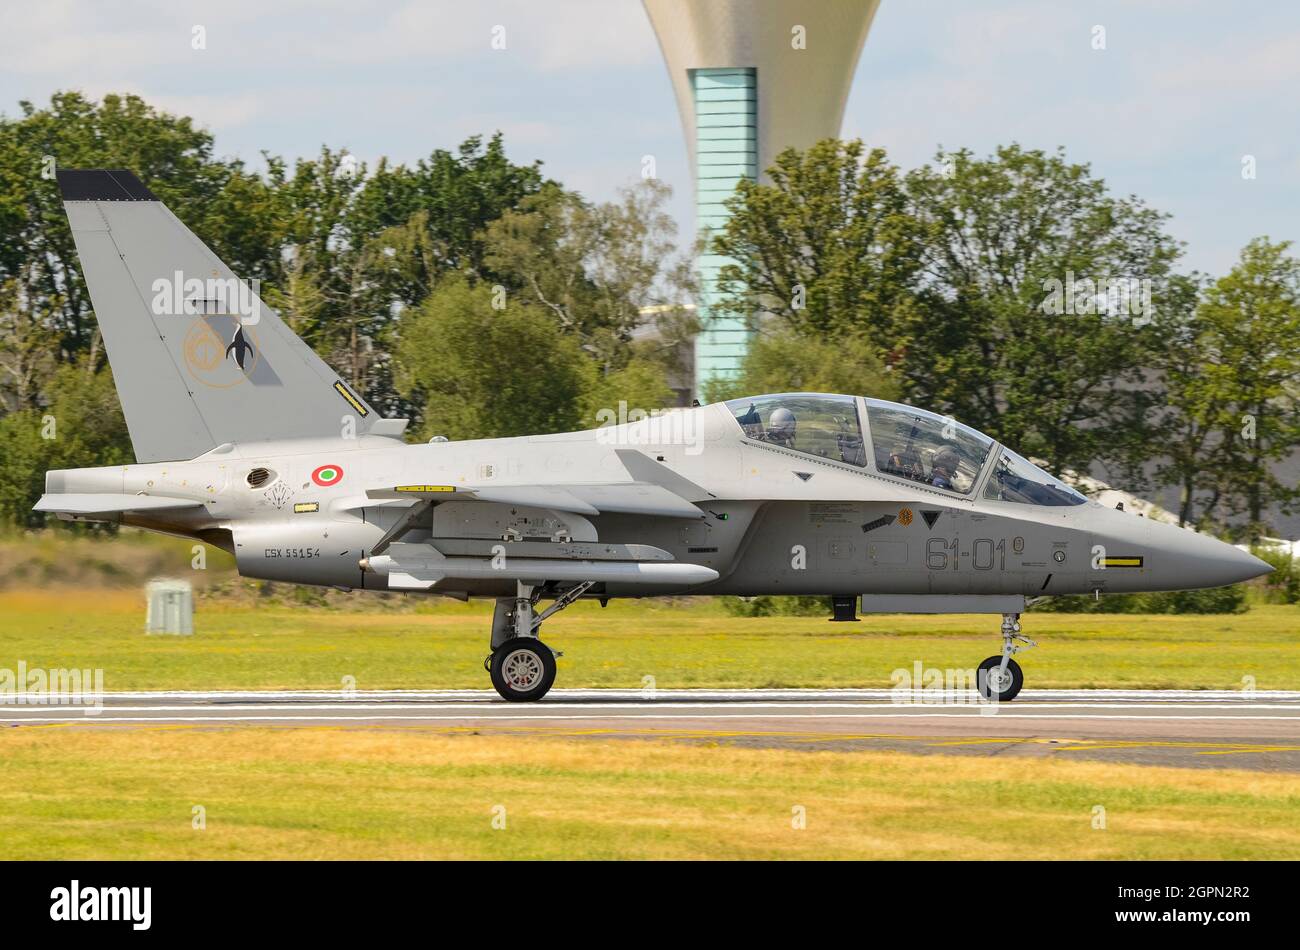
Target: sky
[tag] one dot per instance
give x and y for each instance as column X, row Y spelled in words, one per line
column 1182, row 94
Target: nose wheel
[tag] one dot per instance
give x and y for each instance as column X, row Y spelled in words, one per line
column 1000, row 678
column 998, row 684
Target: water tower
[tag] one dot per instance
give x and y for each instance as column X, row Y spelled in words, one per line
column 752, row 77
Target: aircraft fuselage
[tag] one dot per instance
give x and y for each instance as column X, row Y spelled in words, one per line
column 774, row 522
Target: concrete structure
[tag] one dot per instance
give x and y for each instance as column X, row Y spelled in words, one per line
column 752, row 78
column 171, row 606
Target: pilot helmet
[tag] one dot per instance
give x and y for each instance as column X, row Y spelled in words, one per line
column 781, row 423
column 946, row 458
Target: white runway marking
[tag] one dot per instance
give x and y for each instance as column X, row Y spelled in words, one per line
column 666, row 695
column 483, row 707
column 780, row 708
column 92, row 716
column 84, row 718
column 1190, row 728
column 627, row 704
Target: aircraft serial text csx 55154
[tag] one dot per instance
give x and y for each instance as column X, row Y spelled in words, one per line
column 245, row 439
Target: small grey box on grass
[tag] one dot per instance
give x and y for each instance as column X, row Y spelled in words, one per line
column 171, row 606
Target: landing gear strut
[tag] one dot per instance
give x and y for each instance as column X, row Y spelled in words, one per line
column 521, row 665
column 999, row 677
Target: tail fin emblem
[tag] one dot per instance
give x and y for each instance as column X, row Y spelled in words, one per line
column 240, row 346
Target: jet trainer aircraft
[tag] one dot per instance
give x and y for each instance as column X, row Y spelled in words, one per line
column 245, row 439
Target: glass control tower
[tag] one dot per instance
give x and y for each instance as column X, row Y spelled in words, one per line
column 752, row 77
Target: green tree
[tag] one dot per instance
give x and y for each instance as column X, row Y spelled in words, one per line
column 82, row 425
column 786, row 361
column 599, row 269
column 948, row 273
column 364, row 246
column 340, row 250
column 27, row 349
column 481, row 372
column 1186, row 424
column 1042, row 303
column 233, row 209
column 22, row 467
column 827, row 248
column 459, row 192
column 639, row 386
column 1234, row 393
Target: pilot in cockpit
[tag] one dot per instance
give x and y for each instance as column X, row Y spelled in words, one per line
column 905, row 461
column 943, row 468
column 781, row 425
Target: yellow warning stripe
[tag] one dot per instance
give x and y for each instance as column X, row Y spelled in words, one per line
column 421, row 489
column 1121, row 562
column 352, row 400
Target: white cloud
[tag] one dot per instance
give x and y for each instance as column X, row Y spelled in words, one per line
column 1184, row 88
column 84, row 38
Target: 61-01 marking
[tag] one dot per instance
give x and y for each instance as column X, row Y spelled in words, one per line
column 985, row 554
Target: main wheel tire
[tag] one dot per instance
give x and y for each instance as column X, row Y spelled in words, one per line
column 995, row 685
column 523, row 669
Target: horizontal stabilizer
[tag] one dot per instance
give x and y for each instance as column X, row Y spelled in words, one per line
column 106, row 503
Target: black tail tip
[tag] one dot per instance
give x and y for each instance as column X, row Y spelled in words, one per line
column 101, row 184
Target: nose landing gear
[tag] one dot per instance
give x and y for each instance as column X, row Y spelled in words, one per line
column 999, row 677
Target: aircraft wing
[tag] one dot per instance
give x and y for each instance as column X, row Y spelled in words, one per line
column 638, row 498
column 109, row 504
column 654, row 490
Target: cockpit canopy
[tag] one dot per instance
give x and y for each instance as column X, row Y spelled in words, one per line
column 812, row 423
column 905, row 443
column 920, row 446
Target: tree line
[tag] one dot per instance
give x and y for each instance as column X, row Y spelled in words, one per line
column 1018, row 294
column 470, row 293
column 481, row 298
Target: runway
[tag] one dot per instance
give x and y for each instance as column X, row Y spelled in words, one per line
column 1256, row 730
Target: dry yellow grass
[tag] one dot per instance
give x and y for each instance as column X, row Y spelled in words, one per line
column 118, row 792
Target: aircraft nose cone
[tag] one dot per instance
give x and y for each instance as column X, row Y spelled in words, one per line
column 1228, row 565
column 1250, row 566
column 1197, row 560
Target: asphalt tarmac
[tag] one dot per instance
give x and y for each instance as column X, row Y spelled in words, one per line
column 1185, row 728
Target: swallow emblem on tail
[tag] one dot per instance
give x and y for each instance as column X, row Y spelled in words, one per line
column 241, row 347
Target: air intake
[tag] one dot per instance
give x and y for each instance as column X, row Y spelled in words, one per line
column 259, row 477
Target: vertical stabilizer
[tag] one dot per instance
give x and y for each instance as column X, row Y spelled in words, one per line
column 197, row 359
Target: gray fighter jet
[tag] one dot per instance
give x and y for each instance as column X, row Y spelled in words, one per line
column 246, row 440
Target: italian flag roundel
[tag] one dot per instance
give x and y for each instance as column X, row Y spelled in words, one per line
column 327, row 475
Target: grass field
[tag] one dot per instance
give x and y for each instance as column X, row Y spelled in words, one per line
column 695, row 644
column 338, row 793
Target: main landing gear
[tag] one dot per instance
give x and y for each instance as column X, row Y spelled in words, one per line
column 999, row 677
column 521, row 665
